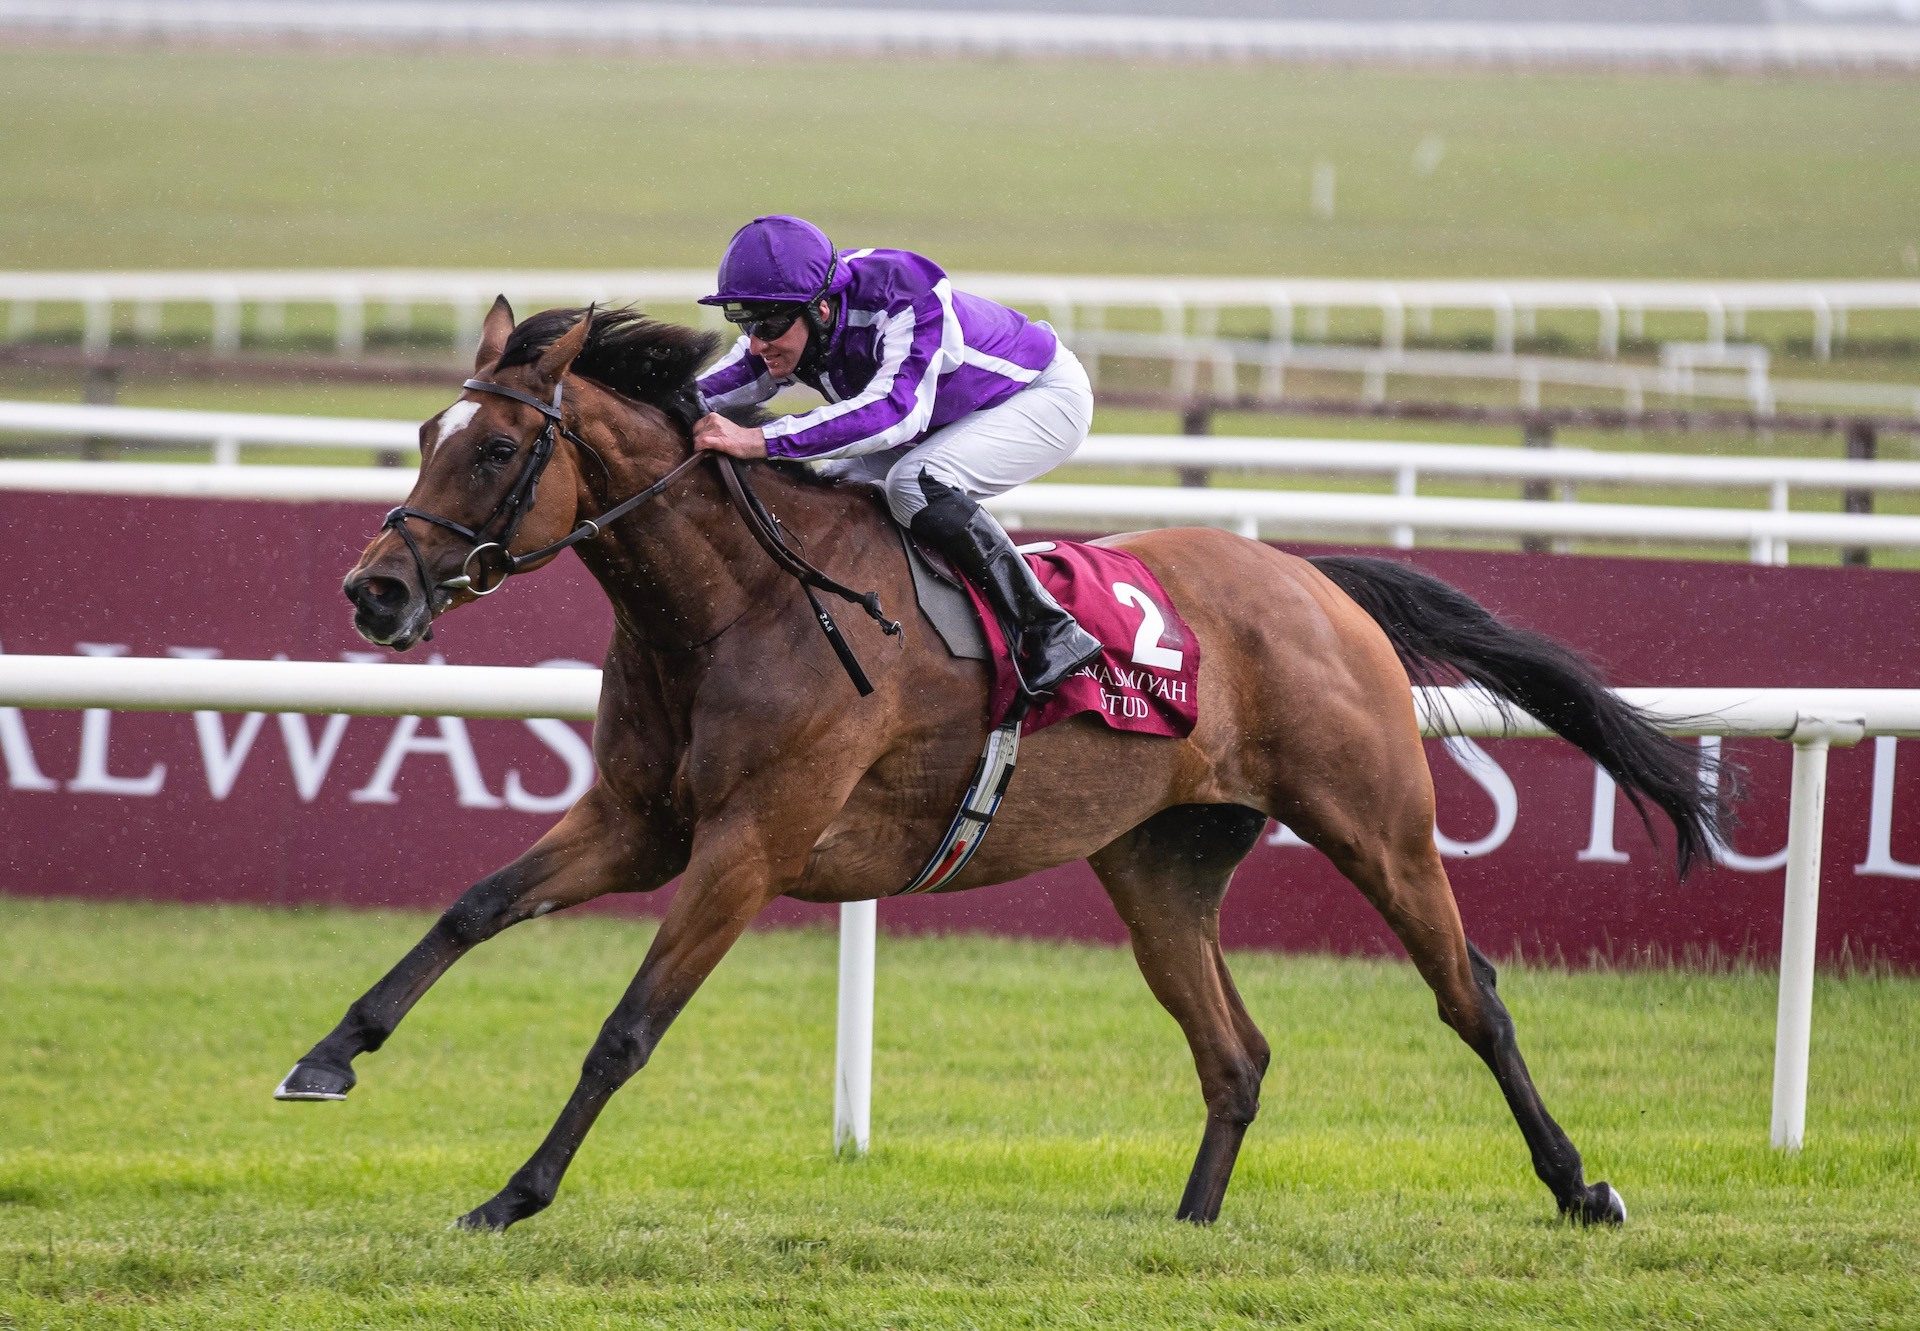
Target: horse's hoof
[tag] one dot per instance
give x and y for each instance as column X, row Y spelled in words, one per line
column 492, row 1218
column 1599, row 1205
column 314, row 1081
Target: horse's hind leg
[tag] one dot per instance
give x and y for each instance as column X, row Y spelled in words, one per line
column 1166, row 878
column 1382, row 838
column 591, row 851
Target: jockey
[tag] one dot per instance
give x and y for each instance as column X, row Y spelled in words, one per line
column 937, row 397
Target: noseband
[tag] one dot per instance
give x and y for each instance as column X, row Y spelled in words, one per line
column 512, row 509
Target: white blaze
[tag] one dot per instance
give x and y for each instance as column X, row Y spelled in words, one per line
column 455, row 419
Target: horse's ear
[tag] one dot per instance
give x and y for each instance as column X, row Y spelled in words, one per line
column 555, row 359
column 494, row 333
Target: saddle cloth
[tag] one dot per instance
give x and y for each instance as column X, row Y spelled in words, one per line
column 1146, row 682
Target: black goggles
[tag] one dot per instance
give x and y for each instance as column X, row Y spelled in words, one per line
column 765, row 322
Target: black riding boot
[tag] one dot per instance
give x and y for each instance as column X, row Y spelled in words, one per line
column 1048, row 645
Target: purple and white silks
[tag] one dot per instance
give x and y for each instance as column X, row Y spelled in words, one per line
column 908, row 355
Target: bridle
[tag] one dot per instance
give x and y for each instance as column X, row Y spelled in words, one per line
column 511, row 511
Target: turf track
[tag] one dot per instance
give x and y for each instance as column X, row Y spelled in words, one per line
column 1035, row 1115
column 195, row 158
column 1036, row 1112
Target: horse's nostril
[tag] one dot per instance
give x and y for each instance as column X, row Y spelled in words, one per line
column 387, row 594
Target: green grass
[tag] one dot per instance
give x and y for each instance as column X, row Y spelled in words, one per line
column 1035, row 1116
column 212, row 158
column 148, row 158
column 208, row 158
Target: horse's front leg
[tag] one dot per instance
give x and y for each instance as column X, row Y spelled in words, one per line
column 597, row 847
column 725, row 887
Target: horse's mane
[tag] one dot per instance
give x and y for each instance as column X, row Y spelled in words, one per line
column 638, row 357
column 641, row 358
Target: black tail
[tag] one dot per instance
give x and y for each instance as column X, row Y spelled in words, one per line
column 1439, row 631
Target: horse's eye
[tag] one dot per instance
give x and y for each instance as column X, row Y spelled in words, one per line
column 500, row 450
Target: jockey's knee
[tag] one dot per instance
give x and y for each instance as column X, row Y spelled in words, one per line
column 905, row 495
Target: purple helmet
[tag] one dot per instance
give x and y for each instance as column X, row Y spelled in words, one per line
column 778, row 259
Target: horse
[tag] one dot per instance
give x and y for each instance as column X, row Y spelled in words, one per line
column 732, row 753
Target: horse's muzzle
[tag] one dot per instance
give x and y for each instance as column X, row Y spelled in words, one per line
column 386, row 611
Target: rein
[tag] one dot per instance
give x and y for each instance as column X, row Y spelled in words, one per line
column 767, row 531
column 512, row 510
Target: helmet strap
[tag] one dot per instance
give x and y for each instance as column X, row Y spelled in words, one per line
column 819, row 334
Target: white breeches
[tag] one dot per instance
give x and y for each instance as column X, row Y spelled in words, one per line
column 991, row 451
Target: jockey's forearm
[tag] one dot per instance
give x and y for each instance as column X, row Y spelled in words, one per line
column 864, row 424
column 739, row 380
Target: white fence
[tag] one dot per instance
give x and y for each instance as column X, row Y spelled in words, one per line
column 1683, row 376
column 1766, row 534
column 1073, row 302
column 226, row 433
column 1812, row 720
column 876, row 31
column 1401, row 518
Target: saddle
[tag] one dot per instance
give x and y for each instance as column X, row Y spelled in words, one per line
column 943, row 599
column 1147, row 679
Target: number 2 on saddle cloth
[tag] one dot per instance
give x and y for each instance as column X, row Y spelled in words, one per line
column 1147, row 681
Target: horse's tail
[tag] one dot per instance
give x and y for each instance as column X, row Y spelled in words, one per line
column 1440, row 631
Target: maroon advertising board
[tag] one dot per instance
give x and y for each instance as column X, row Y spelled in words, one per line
column 381, row 812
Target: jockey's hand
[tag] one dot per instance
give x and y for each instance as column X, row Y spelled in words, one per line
column 719, row 435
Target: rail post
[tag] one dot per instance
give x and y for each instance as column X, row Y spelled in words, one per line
column 1862, row 445
column 1537, row 433
column 1196, row 418
column 350, row 321
column 225, row 307
column 96, row 333
column 853, row 1051
column 1812, row 737
column 1406, row 485
column 99, row 387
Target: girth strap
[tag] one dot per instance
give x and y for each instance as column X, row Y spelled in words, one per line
column 991, row 777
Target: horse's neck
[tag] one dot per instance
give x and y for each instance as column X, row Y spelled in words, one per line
column 680, row 570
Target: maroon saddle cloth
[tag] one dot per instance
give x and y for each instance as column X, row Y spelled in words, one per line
column 1147, row 681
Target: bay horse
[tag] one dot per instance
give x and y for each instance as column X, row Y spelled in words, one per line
column 733, row 753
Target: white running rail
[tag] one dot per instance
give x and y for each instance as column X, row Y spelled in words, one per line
column 1767, row 534
column 226, row 433
column 958, row 32
column 1812, row 720
column 1249, row 366
column 254, row 298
